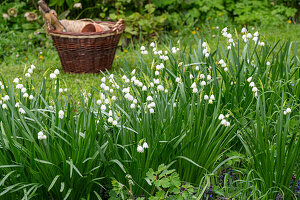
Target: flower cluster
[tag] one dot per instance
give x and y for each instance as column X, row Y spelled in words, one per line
column 224, row 122
column 229, row 37
column 205, row 50
column 54, row 74
column 41, row 136
column 252, row 85
column 287, row 110
column 247, row 36
column 223, row 64
column 140, row 147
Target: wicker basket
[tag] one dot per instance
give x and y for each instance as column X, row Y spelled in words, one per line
column 88, row 52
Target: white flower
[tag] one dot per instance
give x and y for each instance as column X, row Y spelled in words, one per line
column 206, row 55
column 261, row 44
column 145, row 52
column 229, row 36
column 174, row 105
column 113, row 98
column 191, row 76
column 151, row 110
column 132, row 106
column 156, row 73
column 221, row 116
column 252, row 84
column 228, row 47
column 110, row 119
column 27, row 75
column 60, row 90
column 17, row 105
column 30, row 71
column 19, row 86
column 115, row 123
column 61, row 114
column 178, row 79
column 256, row 34
column 16, row 81
column 225, row 69
column 255, row 39
column 204, row 51
column 31, row 97
column 225, row 34
column 145, row 145
column 149, row 98
column 197, row 68
column 41, row 136
column 142, row 48
column 244, row 30
column 151, row 105
column 202, row 76
column 32, row 66
column 152, row 44
column 25, row 95
column 210, row 101
column 160, row 87
column 22, row 111
column 206, row 97
column 212, row 97
column 23, row 90
column 268, row 63
column 223, row 122
column 249, row 79
column 193, row 85
column 156, row 81
column 249, row 35
column 204, row 44
column 203, row 83
column 288, row 110
column 106, row 101
column 208, row 77
column 224, row 29
column 227, row 123
column 99, row 102
column 52, row 75
column 254, row 89
column 4, row 106
column 103, row 80
column 195, row 90
column 144, row 88
column 230, row 40
column 221, row 62
column 140, row 149
column 5, row 98
column 77, row 5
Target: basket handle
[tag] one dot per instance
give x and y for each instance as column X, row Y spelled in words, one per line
column 118, row 25
column 87, row 19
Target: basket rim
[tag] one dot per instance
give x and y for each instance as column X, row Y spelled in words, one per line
column 87, row 34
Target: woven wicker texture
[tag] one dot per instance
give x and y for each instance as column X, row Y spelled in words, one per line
column 87, row 52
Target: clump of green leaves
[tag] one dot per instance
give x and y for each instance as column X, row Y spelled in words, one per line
column 167, row 185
